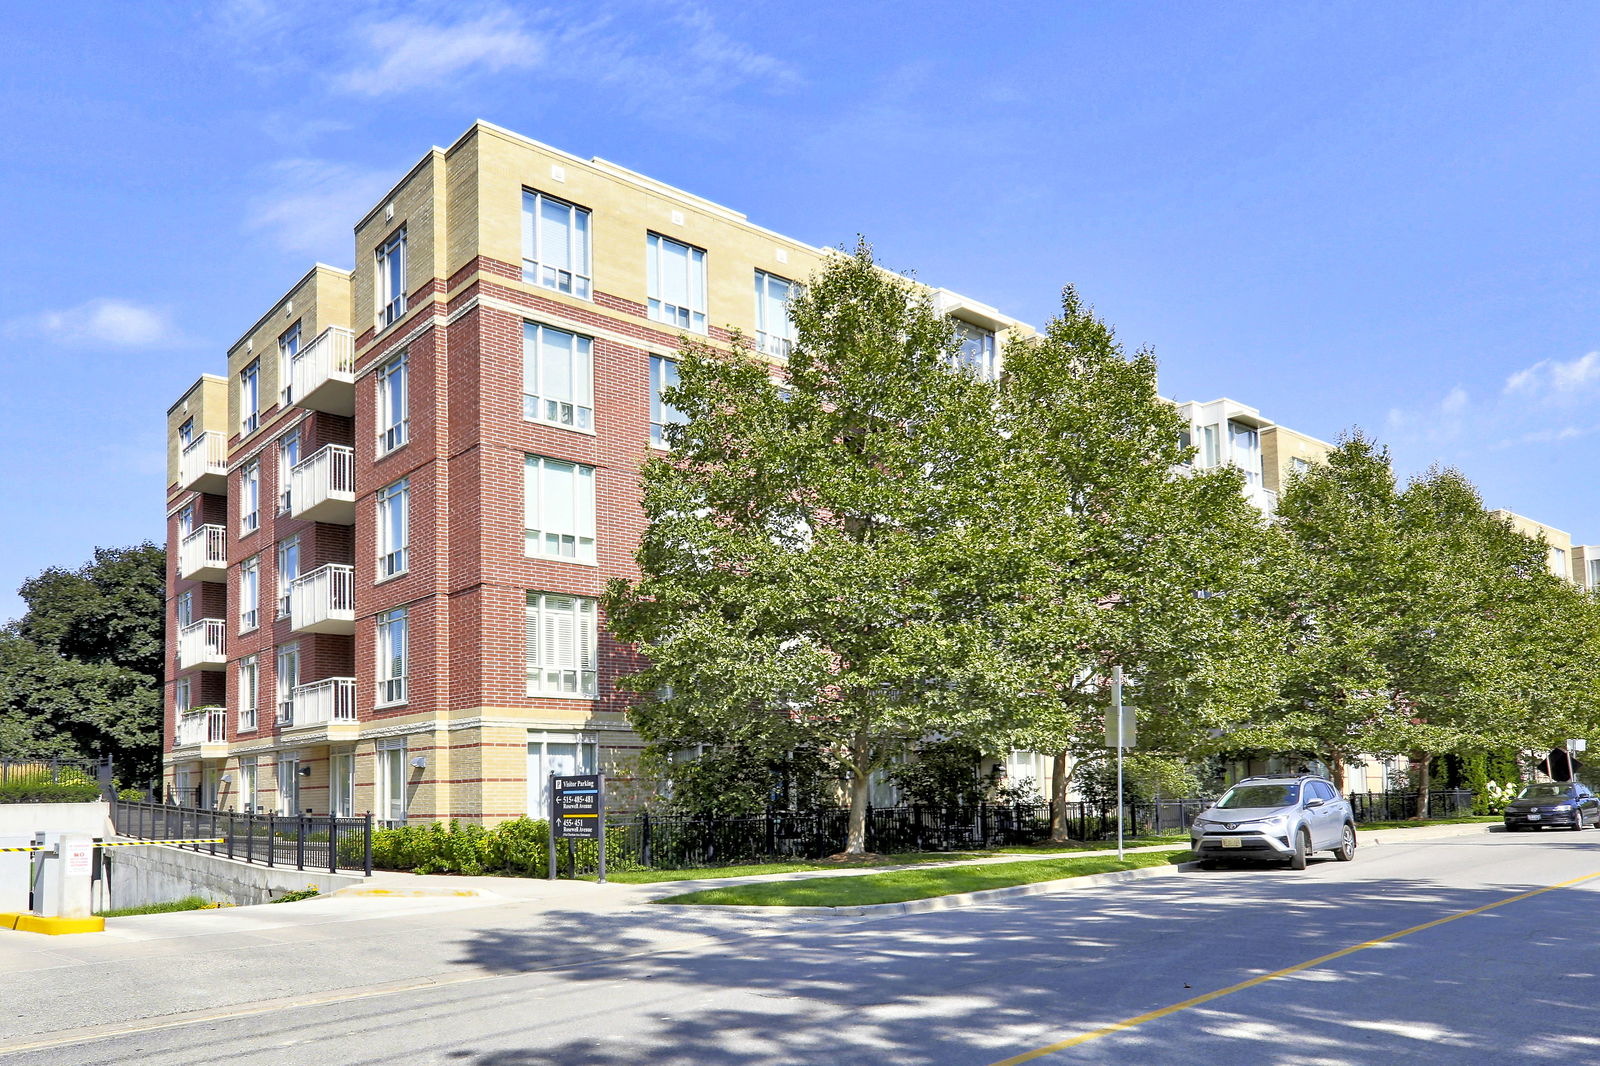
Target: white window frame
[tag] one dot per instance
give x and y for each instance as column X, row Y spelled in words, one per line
column 662, row 414
column 586, row 756
column 692, row 316
column 286, row 678
column 391, row 268
column 288, row 458
column 391, row 378
column 394, row 559
column 182, row 696
column 250, row 594
column 186, row 434
column 390, row 781
column 774, row 338
column 248, row 776
column 1593, row 566
column 1210, row 447
column 572, row 277
column 1244, row 450
column 250, row 398
column 288, row 348
column 393, row 655
column 978, row 349
column 250, row 497
column 288, row 553
column 342, row 784
column 574, row 411
column 249, row 692
column 572, row 532
column 288, row 783
column 186, row 521
column 545, row 613
column 185, row 608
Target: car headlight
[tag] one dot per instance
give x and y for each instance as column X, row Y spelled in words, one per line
column 1562, row 807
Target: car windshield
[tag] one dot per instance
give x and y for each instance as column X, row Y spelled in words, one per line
column 1543, row 792
column 1240, row 796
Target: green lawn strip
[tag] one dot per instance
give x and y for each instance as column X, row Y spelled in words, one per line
column 1092, row 845
column 1417, row 823
column 188, row 903
column 902, row 885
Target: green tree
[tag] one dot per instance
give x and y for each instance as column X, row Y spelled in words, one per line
column 1117, row 553
column 81, row 672
column 815, row 571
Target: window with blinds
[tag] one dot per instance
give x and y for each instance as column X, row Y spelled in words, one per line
column 560, row 639
column 555, row 244
column 392, row 657
column 663, row 376
column 677, row 278
column 394, row 533
column 557, row 376
column 558, row 509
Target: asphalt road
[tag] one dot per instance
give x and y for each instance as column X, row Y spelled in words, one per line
column 1106, row 970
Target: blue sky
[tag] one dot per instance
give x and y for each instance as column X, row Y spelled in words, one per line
column 1342, row 214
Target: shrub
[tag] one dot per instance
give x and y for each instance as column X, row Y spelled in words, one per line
column 519, row 847
column 131, row 795
column 41, row 790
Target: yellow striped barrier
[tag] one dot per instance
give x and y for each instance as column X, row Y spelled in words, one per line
column 127, row 844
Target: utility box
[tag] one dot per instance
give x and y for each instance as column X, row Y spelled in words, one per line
column 64, row 877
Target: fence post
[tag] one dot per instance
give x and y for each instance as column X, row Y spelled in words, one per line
column 772, row 836
column 230, row 832
column 644, row 833
column 333, row 843
column 367, row 830
column 272, row 839
column 300, row 841
column 249, row 837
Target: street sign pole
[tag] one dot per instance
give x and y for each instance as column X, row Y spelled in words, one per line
column 550, row 814
column 1116, row 708
column 602, row 829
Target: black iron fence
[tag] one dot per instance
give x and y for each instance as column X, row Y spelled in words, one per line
column 57, row 771
column 1402, row 806
column 292, row 841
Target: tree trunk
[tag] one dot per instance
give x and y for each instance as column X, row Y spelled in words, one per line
column 1058, row 798
column 1336, row 771
column 860, row 795
column 1420, row 766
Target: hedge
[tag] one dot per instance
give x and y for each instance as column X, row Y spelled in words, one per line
column 518, row 848
column 42, row 790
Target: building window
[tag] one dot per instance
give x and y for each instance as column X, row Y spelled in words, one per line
column 555, row 753
column 250, row 496
column 389, row 781
column 185, row 434
column 1558, row 562
column 288, row 459
column 186, row 520
column 342, row 785
column 249, row 689
column 555, row 244
column 1244, row 442
column 249, row 398
column 249, row 593
column 557, row 376
column 288, row 346
column 288, row 570
column 394, row 520
column 1594, row 574
column 1209, row 451
column 288, row 784
column 1298, row 465
column 391, row 277
column 393, row 423
column 677, row 276
column 663, row 376
column 247, row 784
column 977, row 350
column 287, row 679
column 392, row 657
column 558, row 509
column 560, row 637
column 182, row 694
column 185, row 609
column 774, row 328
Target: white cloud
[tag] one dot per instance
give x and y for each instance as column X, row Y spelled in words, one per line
column 416, row 54
column 1555, row 381
column 108, row 322
column 1440, row 423
column 311, row 206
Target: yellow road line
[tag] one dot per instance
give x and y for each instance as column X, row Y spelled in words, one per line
column 1150, row 1016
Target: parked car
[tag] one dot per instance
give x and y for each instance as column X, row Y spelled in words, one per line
column 1279, row 818
column 1567, row 804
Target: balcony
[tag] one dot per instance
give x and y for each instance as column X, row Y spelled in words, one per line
column 324, row 601
column 205, row 726
column 202, row 644
column 203, row 554
column 203, row 463
column 323, row 373
column 323, row 487
column 330, row 703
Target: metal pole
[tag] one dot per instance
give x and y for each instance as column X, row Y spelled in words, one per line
column 550, row 814
column 601, row 816
column 1116, row 706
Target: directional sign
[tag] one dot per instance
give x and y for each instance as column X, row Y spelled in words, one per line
column 579, row 807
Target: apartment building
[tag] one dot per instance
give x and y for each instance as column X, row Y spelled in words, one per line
column 1559, row 554
column 390, row 522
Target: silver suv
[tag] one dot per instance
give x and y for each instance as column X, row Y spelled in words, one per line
column 1282, row 818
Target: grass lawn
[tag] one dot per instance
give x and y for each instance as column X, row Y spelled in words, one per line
column 902, row 885
column 188, row 903
column 1417, row 823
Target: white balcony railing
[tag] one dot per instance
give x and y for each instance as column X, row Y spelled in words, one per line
column 202, row 644
column 203, row 463
column 323, row 487
column 203, row 554
column 203, row 725
column 323, row 702
column 324, row 601
column 323, row 372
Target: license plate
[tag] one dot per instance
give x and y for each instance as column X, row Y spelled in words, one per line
column 1533, row 817
column 1232, row 842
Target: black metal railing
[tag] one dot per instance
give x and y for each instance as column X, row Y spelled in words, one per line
column 58, row 771
column 1402, row 806
column 292, row 841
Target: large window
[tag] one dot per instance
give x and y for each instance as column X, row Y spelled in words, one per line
column 393, row 422
column 247, row 784
column 342, row 785
column 1210, row 451
column 394, row 535
column 249, row 691
column 186, row 433
column 677, row 277
column 288, row 458
column 182, row 696
column 1594, row 574
column 558, row 509
column 186, row 521
column 288, row 784
column 561, row 636
column 1244, row 442
column 250, row 593
column 977, row 350
column 557, row 376
column 288, row 679
column 250, row 496
column 249, row 398
column 663, row 376
column 288, row 570
column 556, row 753
column 391, row 278
column 392, row 657
column 774, row 330
column 555, row 244
column 389, row 781
column 185, row 608
column 288, row 346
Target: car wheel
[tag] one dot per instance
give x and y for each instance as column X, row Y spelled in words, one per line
column 1302, row 849
column 1577, row 822
column 1347, row 844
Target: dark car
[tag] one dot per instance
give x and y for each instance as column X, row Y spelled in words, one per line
column 1569, row 805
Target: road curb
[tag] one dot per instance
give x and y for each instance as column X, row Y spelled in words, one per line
column 35, row 923
column 407, row 893
column 1443, row 832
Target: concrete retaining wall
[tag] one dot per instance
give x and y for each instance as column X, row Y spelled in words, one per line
column 157, row 874
column 24, row 819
